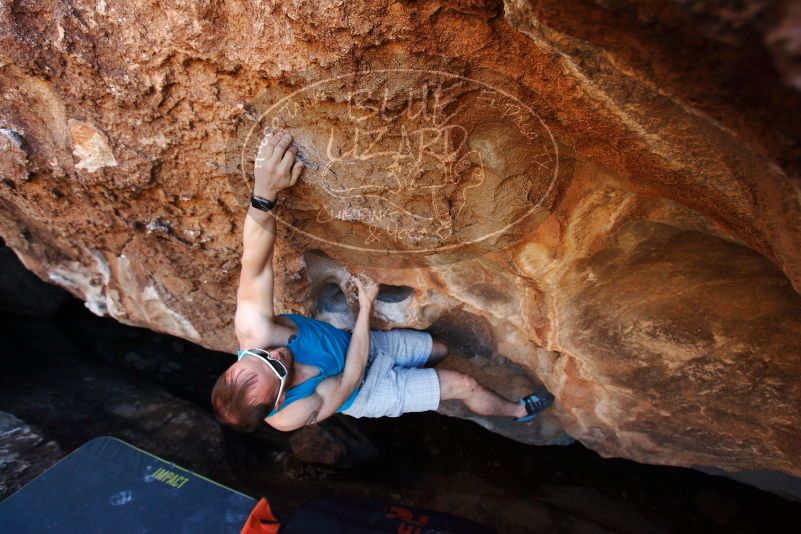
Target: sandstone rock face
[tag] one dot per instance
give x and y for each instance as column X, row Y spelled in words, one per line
column 603, row 197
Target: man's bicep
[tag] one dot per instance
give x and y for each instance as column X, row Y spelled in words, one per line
column 254, row 305
column 333, row 395
column 328, row 396
column 256, row 288
column 301, row 413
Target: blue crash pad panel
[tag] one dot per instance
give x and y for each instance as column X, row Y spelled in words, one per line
column 109, row 486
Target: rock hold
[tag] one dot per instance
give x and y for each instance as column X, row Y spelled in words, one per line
column 90, row 146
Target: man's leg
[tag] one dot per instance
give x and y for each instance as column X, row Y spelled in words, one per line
column 438, row 352
column 480, row 400
column 409, row 348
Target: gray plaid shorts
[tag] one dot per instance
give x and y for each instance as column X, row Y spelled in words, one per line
column 394, row 381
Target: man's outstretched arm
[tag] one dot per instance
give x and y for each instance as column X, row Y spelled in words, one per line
column 275, row 169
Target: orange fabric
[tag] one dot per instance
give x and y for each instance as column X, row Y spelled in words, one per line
column 409, row 524
column 261, row 520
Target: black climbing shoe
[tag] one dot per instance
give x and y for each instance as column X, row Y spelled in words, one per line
column 538, row 401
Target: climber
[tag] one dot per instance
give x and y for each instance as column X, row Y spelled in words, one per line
column 294, row 371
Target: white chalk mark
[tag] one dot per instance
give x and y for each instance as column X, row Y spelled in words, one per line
column 121, row 499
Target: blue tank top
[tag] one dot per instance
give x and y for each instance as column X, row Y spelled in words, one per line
column 321, row 345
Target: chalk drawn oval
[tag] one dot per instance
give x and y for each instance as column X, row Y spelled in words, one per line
column 408, row 161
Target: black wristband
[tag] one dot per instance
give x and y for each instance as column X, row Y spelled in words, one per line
column 261, row 203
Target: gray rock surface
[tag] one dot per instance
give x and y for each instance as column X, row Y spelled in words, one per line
column 25, row 452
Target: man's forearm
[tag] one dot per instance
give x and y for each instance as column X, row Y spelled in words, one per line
column 358, row 352
column 255, row 292
column 258, row 240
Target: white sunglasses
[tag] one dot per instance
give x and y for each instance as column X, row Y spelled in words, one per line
column 280, row 373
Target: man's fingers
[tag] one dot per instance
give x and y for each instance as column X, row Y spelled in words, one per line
column 266, row 147
column 297, row 168
column 286, row 161
column 354, row 281
column 280, row 148
column 365, row 280
column 271, row 139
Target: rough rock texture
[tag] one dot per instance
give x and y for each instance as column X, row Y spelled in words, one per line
column 337, row 442
column 602, row 196
column 24, row 453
